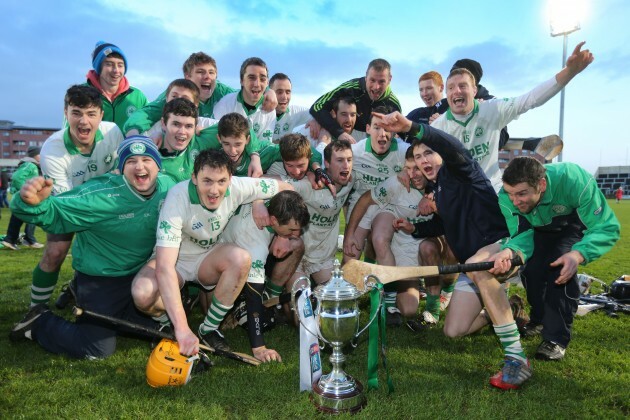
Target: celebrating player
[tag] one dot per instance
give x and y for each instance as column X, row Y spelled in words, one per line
column 84, row 150
column 287, row 116
column 472, row 223
column 320, row 240
column 478, row 124
column 570, row 223
column 392, row 201
column 369, row 92
column 288, row 217
column 109, row 249
column 249, row 100
column 119, row 98
column 187, row 250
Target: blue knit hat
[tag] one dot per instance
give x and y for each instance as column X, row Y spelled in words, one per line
column 137, row 146
column 101, row 50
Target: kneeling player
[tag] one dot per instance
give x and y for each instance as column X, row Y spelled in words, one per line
column 391, row 201
column 108, row 251
column 320, row 240
column 288, row 216
column 471, row 221
column 187, row 250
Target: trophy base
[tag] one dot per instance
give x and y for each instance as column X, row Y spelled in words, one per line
column 331, row 402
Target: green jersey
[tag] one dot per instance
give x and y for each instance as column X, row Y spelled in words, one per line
column 25, row 171
column 179, row 165
column 123, row 106
column 569, row 189
column 115, row 225
column 143, row 119
column 271, row 160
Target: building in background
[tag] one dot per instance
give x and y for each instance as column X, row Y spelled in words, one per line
column 16, row 139
column 505, row 156
column 610, row 178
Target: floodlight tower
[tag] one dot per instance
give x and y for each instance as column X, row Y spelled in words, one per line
column 563, row 22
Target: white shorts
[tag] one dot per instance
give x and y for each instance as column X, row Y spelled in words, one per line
column 372, row 212
column 405, row 249
column 187, row 267
column 309, row 268
column 465, row 284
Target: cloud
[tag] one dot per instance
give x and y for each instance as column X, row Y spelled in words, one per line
column 46, row 56
column 508, row 69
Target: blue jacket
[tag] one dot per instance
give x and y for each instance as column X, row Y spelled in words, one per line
column 468, row 207
column 421, row 115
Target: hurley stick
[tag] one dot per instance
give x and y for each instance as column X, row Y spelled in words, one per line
column 355, row 271
column 241, row 357
column 548, row 147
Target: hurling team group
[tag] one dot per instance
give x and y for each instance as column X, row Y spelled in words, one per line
column 226, row 196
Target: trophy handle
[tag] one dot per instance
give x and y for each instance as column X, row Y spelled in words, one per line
column 370, row 282
column 302, row 284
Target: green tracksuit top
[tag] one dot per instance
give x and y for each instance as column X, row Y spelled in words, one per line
column 143, row 119
column 25, row 171
column 569, row 188
column 124, row 105
column 115, row 225
column 270, row 154
column 179, row 166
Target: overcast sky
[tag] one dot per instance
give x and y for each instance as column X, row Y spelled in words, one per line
column 45, row 47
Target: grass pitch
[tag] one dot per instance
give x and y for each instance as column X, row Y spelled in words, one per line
column 434, row 377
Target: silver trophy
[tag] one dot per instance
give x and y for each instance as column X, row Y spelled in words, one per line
column 337, row 316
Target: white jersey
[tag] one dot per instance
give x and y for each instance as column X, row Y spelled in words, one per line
column 243, row 232
column 277, row 169
column 320, row 239
column 393, row 196
column 372, row 169
column 390, row 195
column 262, row 122
column 480, row 130
column 67, row 167
column 292, row 117
column 186, row 224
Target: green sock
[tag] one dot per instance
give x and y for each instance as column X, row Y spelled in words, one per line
column 43, row 285
column 510, row 341
column 272, row 290
column 389, row 299
column 433, row 305
column 216, row 313
column 448, row 288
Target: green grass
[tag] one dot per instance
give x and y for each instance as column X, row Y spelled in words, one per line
column 433, row 376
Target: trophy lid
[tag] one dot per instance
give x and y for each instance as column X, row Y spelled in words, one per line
column 337, row 288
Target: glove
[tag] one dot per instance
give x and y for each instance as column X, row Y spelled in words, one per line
column 320, row 175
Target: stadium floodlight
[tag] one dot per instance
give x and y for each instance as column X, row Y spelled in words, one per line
column 564, row 19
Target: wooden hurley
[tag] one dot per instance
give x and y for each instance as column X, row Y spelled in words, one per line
column 355, row 271
column 548, row 147
column 241, row 357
